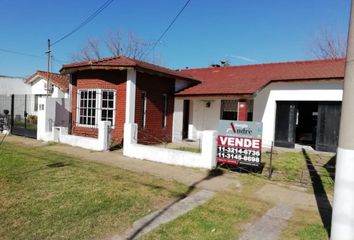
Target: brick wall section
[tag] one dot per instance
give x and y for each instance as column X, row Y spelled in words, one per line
column 155, row 86
column 101, row 79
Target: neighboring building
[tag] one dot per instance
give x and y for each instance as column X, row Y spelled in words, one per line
column 58, row 87
column 54, row 85
column 123, row 90
column 13, row 85
column 297, row 102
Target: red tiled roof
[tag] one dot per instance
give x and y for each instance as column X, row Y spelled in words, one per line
column 58, row 80
column 248, row 79
column 123, row 62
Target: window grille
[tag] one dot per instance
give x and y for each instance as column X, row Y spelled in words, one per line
column 229, row 109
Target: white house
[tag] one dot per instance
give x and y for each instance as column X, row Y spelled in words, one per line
column 58, row 84
column 297, row 102
column 52, row 84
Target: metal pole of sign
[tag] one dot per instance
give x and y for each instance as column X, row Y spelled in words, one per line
column 271, row 162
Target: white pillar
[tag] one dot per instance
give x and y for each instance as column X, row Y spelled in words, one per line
column 343, row 203
column 130, row 137
column 104, row 135
column 177, row 120
column 130, row 96
column 209, row 148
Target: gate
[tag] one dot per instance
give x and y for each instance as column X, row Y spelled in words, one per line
column 19, row 114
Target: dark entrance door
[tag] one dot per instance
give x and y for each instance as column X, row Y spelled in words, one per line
column 285, row 124
column 328, row 126
column 23, row 121
column 186, row 104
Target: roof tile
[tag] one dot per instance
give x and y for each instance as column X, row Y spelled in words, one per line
column 248, row 79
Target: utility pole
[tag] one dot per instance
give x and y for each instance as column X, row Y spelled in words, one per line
column 343, row 204
column 48, row 66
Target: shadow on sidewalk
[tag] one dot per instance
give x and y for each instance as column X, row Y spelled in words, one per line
column 323, row 204
column 211, row 174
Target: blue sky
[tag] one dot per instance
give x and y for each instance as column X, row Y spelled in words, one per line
column 243, row 31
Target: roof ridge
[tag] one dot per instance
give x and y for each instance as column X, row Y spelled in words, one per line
column 266, row 64
column 42, row 71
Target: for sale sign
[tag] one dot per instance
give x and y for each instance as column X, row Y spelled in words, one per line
column 239, row 142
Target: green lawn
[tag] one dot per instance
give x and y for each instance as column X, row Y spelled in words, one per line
column 47, row 195
column 222, row 217
column 291, row 167
column 304, row 225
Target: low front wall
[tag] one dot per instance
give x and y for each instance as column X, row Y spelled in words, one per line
column 205, row 159
column 50, row 129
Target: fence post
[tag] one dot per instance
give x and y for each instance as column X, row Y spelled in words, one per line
column 12, row 112
column 104, row 134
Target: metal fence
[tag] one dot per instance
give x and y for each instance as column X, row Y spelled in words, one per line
column 18, row 113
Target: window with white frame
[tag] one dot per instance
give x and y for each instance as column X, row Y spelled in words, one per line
column 94, row 105
column 107, row 111
column 143, row 108
column 87, row 107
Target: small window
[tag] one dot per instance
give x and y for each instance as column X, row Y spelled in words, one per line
column 36, row 102
column 164, row 114
column 229, row 109
column 143, row 109
column 107, row 108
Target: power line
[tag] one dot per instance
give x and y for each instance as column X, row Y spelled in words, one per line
column 58, row 61
column 167, row 29
column 20, row 53
column 86, row 21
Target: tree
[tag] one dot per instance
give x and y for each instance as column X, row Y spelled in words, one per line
column 130, row 46
column 328, row 45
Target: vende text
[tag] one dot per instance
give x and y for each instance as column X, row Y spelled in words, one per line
column 238, row 142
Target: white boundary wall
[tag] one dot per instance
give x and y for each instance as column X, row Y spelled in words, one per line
column 205, row 159
column 47, row 131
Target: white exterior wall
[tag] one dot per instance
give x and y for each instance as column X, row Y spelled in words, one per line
column 38, row 87
column 265, row 101
column 203, row 117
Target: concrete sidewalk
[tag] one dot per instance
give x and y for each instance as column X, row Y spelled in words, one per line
column 189, row 176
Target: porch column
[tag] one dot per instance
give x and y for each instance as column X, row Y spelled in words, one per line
column 242, row 110
column 130, row 96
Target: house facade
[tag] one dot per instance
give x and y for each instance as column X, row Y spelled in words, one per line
column 123, row 90
column 297, row 102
